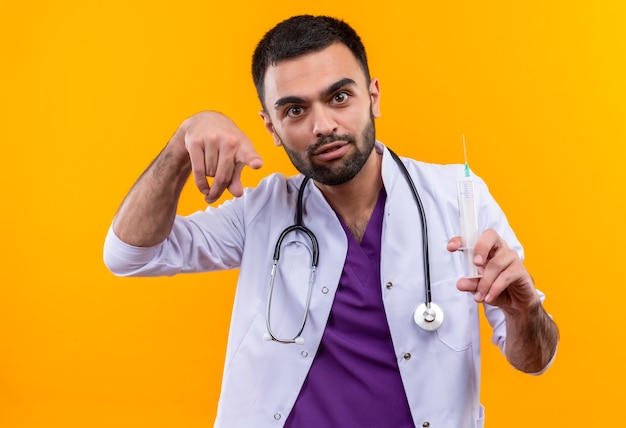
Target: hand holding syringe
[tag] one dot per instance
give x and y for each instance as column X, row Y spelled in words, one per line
column 469, row 221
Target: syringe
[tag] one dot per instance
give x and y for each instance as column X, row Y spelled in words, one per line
column 469, row 221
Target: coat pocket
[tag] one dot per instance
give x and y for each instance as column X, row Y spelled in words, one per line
column 456, row 330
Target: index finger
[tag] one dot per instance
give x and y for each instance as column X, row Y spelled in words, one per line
column 230, row 166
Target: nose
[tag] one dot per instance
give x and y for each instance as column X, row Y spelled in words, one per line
column 323, row 120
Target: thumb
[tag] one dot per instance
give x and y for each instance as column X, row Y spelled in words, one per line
column 454, row 244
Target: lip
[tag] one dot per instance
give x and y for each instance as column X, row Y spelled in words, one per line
column 331, row 151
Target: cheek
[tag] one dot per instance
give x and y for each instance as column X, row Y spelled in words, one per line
column 295, row 136
column 358, row 119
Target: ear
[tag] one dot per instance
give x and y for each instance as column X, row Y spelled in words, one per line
column 267, row 121
column 375, row 97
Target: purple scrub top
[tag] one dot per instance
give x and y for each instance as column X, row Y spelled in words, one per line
column 354, row 380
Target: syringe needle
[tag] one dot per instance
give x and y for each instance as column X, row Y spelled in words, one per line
column 465, row 157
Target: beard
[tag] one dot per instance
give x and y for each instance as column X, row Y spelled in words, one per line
column 347, row 169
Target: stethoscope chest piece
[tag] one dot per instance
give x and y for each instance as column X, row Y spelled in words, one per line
column 429, row 317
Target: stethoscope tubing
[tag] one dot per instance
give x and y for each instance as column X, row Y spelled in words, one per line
column 298, row 226
column 424, row 226
column 427, row 316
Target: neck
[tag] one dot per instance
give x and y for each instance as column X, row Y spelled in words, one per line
column 355, row 200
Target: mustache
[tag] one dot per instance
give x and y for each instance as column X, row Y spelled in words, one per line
column 329, row 138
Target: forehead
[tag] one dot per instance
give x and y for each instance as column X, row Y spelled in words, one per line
column 308, row 75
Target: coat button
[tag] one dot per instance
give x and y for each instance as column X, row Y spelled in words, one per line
column 407, row 356
column 426, row 424
column 277, row 416
column 325, row 290
column 389, row 285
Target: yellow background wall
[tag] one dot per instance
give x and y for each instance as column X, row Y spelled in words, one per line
column 91, row 91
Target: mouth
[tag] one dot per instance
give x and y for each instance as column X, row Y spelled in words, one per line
column 329, row 147
column 331, row 151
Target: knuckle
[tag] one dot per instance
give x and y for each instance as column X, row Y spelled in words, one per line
column 513, row 254
column 497, row 263
column 193, row 140
column 507, row 277
column 230, row 142
column 211, row 137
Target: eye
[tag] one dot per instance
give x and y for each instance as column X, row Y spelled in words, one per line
column 294, row 111
column 341, row 97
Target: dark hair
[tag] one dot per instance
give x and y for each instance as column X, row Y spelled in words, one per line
column 300, row 35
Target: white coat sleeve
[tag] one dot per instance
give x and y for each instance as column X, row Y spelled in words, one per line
column 204, row 241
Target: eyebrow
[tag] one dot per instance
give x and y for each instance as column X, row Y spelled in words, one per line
column 325, row 93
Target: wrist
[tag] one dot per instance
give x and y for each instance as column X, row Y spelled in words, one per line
column 525, row 311
column 174, row 158
column 175, row 151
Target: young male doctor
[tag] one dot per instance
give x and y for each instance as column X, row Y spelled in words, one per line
column 360, row 359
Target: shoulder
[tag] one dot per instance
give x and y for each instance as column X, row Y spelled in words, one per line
column 424, row 174
column 273, row 194
column 438, row 174
column 440, row 181
column 452, row 172
column 420, row 168
column 275, row 185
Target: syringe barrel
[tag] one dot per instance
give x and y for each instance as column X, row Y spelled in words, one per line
column 469, row 225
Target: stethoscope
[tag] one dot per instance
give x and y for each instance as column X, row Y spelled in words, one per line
column 428, row 316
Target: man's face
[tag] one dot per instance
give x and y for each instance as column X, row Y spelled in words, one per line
column 321, row 109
